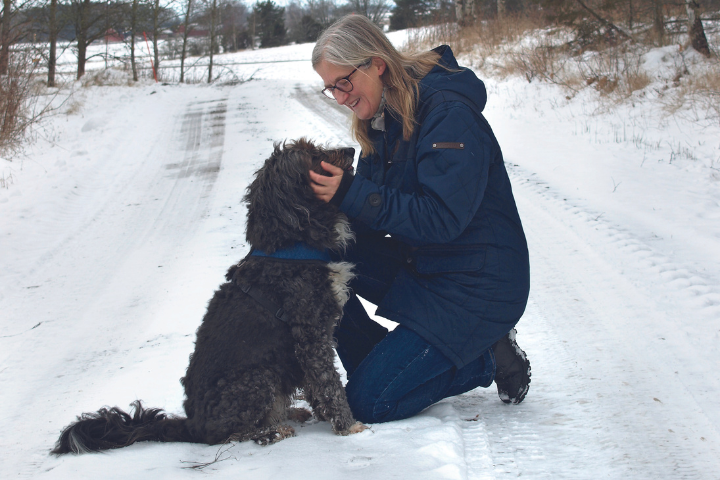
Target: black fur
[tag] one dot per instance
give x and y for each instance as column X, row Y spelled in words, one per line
column 247, row 364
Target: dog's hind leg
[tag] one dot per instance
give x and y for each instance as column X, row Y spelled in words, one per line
column 271, row 435
column 272, row 429
column 240, row 404
column 278, row 412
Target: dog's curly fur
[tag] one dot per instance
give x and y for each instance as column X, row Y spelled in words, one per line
column 247, row 363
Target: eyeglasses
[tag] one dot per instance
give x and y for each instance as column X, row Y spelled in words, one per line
column 344, row 85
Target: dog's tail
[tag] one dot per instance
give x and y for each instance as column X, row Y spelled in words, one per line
column 114, row 428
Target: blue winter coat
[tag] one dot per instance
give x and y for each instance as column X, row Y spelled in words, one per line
column 446, row 197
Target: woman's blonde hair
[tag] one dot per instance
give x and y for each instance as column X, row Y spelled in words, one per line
column 354, row 40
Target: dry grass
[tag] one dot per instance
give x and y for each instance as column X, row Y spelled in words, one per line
column 525, row 47
column 481, row 40
column 697, row 94
column 6, row 180
column 696, row 84
column 73, row 107
column 615, row 72
column 108, row 77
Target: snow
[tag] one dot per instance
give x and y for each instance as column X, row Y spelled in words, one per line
column 120, row 220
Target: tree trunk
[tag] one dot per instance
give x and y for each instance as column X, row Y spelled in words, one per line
column 185, row 37
column 82, row 54
column 213, row 17
column 658, row 22
column 156, row 34
column 133, row 27
column 81, row 30
column 500, row 9
column 459, row 16
column 234, row 35
column 107, row 31
column 5, row 37
column 695, row 28
column 52, row 57
column 469, row 11
column 465, row 12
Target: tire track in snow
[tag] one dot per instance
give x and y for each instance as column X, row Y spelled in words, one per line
column 607, row 399
column 678, row 279
column 685, row 301
column 321, row 106
column 203, row 133
column 478, row 457
column 337, row 117
column 91, row 288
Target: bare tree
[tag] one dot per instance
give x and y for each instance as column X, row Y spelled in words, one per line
column 90, row 21
column 630, row 15
column 322, row 11
column 160, row 12
column 294, row 12
column 12, row 29
column 186, row 26
column 213, row 36
column 156, row 33
column 133, row 29
column 465, row 12
column 658, row 21
column 53, row 34
column 325, row 11
column 695, row 27
column 233, row 25
column 373, row 9
column 604, row 21
column 7, row 13
column 501, row 9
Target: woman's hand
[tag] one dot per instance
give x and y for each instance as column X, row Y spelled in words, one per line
column 325, row 187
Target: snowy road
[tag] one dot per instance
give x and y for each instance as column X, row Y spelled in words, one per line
column 121, row 224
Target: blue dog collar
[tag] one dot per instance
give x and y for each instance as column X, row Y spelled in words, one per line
column 299, row 251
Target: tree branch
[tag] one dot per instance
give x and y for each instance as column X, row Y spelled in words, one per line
column 605, row 22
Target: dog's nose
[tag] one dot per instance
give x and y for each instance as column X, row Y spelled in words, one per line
column 350, row 152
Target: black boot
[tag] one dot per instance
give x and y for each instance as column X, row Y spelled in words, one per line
column 512, row 371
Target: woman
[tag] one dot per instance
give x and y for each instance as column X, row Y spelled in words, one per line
column 440, row 247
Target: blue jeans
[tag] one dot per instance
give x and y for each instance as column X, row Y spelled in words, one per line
column 394, row 375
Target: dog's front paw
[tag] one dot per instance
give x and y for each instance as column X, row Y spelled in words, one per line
column 357, row 427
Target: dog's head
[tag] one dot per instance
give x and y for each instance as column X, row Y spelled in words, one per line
column 282, row 208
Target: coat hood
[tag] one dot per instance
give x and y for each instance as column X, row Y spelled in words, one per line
column 448, row 75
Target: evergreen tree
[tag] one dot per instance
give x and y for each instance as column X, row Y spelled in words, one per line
column 309, row 29
column 411, row 13
column 269, row 23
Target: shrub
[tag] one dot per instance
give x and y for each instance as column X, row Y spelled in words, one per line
column 18, row 100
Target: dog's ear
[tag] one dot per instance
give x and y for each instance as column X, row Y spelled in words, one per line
column 280, row 198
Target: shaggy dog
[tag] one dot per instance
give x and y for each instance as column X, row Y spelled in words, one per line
column 267, row 331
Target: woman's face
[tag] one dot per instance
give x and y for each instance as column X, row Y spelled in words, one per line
column 366, row 94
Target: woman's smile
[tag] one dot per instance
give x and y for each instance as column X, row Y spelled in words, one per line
column 367, row 86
